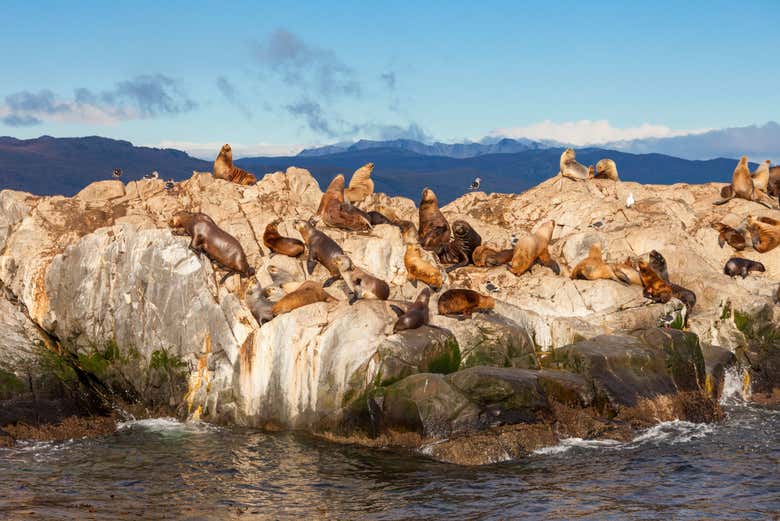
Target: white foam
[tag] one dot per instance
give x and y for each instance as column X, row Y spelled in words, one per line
column 734, row 389
column 167, row 425
column 671, row 432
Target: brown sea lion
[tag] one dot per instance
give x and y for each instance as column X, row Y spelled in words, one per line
column 729, row 235
column 764, row 233
column 322, row 249
column 486, row 256
column 278, row 244
column 532, row 248
column 464, row 302
column 742, row 267
column 361, row 185
column 571, row 168
column 216, row 243
column 655, row 288
column 361, row 284
column 742, row 186
column 460, row 249
column 224, row 168
column 434, row 231
column 684, row 295
column 307, row 293
column 336, row 213
column 761, row 176
column 607, row 169
column 261, row 301
column 626, row 272
column 593, row 266
column 415, row 315
column 773, row 185
column 418, row 266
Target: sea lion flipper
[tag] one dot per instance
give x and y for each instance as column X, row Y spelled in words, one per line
column 398, row 311
column 330, row 281
column 456, row 266
column 721, row 242
column 310, row 262
column 225, row 277
column 547, row 261
column 723, row 201
column 352, row 298
column 414, row 283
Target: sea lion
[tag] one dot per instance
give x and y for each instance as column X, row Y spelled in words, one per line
column 376, row 218
column 464, row 302
column 742, row 186
column 415, row 315
column 658, row 265
column 418, row 267
column 322, row 249
column 764, row 233
column 224, row 168
column 773, row 185
column 761, row 176
column 261, row 301
column 742, row 267
column 571, row 168
column 434, row 231
column 460, row 249
column 486, row 256
column 729, row 235
column 278, row 244
column 626, row 272
column 335, row 212
column 361, row 185
column 363, row 285
column 216, row 243
column 307, row 293
column 593, row 266
column 655, row 288
column 607, row 169
column 532, row 248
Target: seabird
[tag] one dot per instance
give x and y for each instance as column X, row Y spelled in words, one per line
column 117, row 173
column 475, row 185
column 153, row 175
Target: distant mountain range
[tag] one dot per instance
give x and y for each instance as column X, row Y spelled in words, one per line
column 456, row 150
column 49, row 165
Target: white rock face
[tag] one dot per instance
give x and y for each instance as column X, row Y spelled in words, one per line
column 104, row 267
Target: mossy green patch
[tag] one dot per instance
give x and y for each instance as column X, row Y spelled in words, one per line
column 10, row 384
column 449, row 361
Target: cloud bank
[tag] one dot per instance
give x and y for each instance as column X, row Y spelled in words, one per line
column 209, row 150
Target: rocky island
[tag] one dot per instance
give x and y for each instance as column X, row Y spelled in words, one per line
column 103, row 308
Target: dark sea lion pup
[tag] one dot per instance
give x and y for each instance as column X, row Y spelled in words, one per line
column 322, row 249
column 742, row 267
column 216, row 243
column 278, row 244
column 460, row 250
column 415, row 315
column 224, row 168
column 464, row 302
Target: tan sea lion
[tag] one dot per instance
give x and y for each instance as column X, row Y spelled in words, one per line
column 487, row 256
column 464, row 302
column 216, row 243
column 459, row 250
column 278, row 244
column 571, row 168
column 764, row 233
column 414, row 315
column 224, row 168
column 322, row 249
column 729, row 235
column 261, row 300
column 742, row 186
column 607, row 169
column 761, row 176
column 626, row 272
column 655, row 288
column 361, row 185
column 742, row 267
column 593, row 266
column 434, row 231
column 335, row 212
column 307, row 293
column 418, row 267
column 532, row 248
column 361, row 284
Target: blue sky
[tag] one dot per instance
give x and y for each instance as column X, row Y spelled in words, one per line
column 279, row 75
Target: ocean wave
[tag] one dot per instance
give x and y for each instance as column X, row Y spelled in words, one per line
column 167, row 425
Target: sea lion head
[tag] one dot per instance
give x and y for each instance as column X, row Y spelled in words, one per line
column 428, row 197
column 408, row 232
column 179, row 219
column 424, row 296
column 336, row 184
column 569, row 154
column 460, row 227
column 226, row 151
column 743, row 160
column 272, row 293
column 304, row 226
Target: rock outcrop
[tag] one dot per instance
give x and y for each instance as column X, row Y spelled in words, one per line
column 98, row 284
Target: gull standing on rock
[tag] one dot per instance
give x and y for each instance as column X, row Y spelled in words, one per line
column 475, row 184
column 117, row 173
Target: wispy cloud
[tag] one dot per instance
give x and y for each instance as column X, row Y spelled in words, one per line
column 209, row 150
column 232, row 95
column 589, row 132
column 389, row 79
column 145, row 96
column 312, row 69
